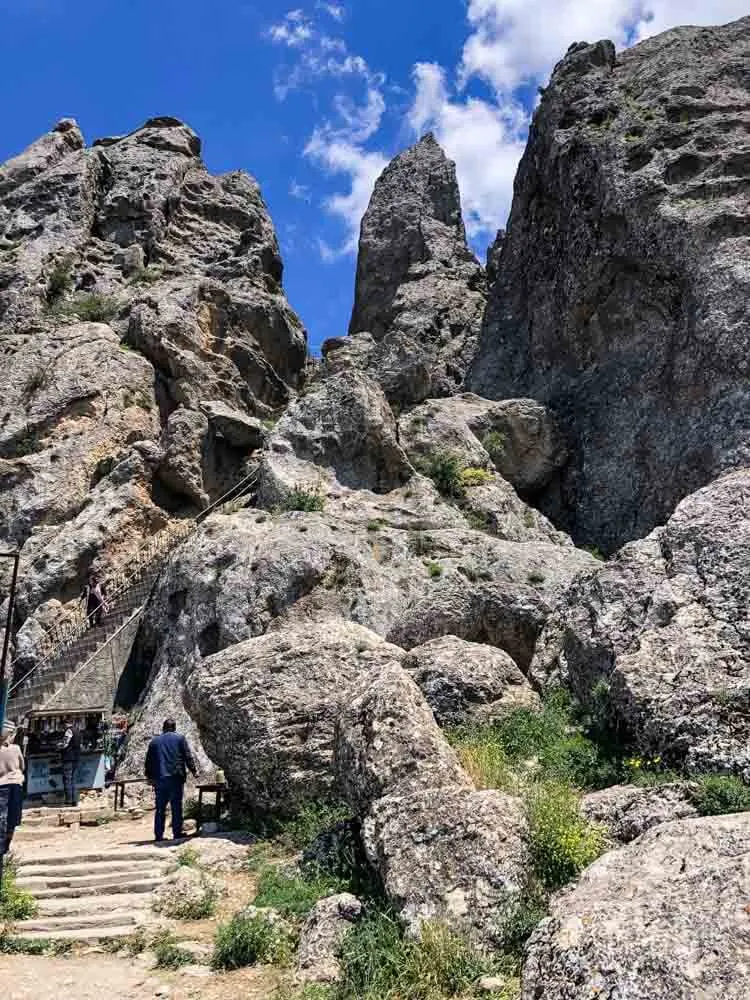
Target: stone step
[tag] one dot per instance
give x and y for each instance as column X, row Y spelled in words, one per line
column 108, row 889
column 33, row 883
column 29, row 834
column 54, row 860
column 56, row 907
column 85, row 934
column 114, row 868
column 78, row 922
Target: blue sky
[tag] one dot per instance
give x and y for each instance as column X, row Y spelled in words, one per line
column 314, row 97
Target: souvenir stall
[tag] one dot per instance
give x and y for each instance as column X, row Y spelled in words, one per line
column 44, row 736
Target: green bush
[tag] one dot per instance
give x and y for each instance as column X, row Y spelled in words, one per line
column 494, row 443
column 444, row 469
column 15, row 903
column 147, row 275
column 312, row 819
column 519, row 921
column 434, row 569
column 246, row 940
column 379, row 963
column 304, row 500
column 60, row 280
column 473, row 476
column 168, row 953
column 293, row 895
column 562, row 842
column 12, row 945
column 375, row 525
column 717, row 794
column 90, row 307
column 188, row 857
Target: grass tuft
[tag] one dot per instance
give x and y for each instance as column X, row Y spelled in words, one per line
column 251, row 939
column 562, row 842
column 717, row 794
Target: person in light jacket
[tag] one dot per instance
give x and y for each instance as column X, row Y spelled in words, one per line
column 11, row 786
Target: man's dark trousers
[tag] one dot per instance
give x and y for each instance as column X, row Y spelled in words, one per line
column 69, row 768
column 168, row 793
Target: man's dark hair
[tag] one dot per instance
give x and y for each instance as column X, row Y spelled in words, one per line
column 169, row 726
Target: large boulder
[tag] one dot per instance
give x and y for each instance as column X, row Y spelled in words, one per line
column 620, row 288
column 627, row 811
column 134, row 285
column 325, row 927
column 663, row 917
column 657, row 641
column 518, row 436
column 444, row 851
column 419, row 290
column 466, row 682
column 266, row 708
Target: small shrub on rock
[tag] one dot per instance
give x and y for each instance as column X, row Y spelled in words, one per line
column 717, row 794
column 494, row 443
column 251, row 937
column 473, row 476
column 312, row 819
column 188, row 894
column 168, row 953
column 562, row 842
column 301, row 499
column 60, row 280
column 91, row 308
column 445, row 469
column 434, row 569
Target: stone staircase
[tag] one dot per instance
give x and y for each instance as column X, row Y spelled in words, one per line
column 74, row 644
column 84, row 894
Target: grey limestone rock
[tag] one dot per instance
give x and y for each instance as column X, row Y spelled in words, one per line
column 620, row 291
column 627, row 811
column 657, row 638
column 664, row 917
column 467, row 682
column 321, row 936
column 443, row 850
column 266, row 708
column 133, row 286
column 419, row 291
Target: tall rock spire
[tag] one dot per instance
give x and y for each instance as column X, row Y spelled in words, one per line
column 419, row 292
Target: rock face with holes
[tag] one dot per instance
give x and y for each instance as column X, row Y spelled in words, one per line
column 443, row 850
column 420, row 291
column 620, row 290
column 658, row 638
column 144, row 335
column 627, row 811
column 663, row 917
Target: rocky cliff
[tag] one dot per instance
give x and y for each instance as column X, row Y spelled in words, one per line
column 419, row 291
column 144, row 335
column 621, row 287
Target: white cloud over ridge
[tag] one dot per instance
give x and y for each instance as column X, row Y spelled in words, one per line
column 510, row 45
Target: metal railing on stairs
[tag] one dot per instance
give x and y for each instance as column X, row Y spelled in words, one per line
column 73, row 642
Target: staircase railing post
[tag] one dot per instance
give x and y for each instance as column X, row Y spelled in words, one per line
column 4, row 682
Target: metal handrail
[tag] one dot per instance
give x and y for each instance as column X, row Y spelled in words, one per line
column 156, row 546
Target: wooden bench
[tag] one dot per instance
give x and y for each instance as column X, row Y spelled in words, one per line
column 221, row 792
column 119, row 784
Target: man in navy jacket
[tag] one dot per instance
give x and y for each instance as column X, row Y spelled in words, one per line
column 168, row 759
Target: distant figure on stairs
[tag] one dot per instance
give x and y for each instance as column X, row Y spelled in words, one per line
column 168, row 759
column 70, row 753
column 11, row 785
column 96, row 603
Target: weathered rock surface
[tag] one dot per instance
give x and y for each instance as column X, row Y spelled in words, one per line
column 320, row 938
column 664, row 917
column 516, row 436
column 101, row 438
column 467, row 681
column 662, row 630
column 627, row 811
column 443, row 850
column 266, row 708
column 185, row 894
column 419, row 292
column 622, row 282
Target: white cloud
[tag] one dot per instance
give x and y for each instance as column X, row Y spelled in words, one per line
column 294, row 31
column 513, row 41
column 299, row 191
column 334, row 10
column 339, row 156
column 481, row 137
column 360, row 121
column 658, row 15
